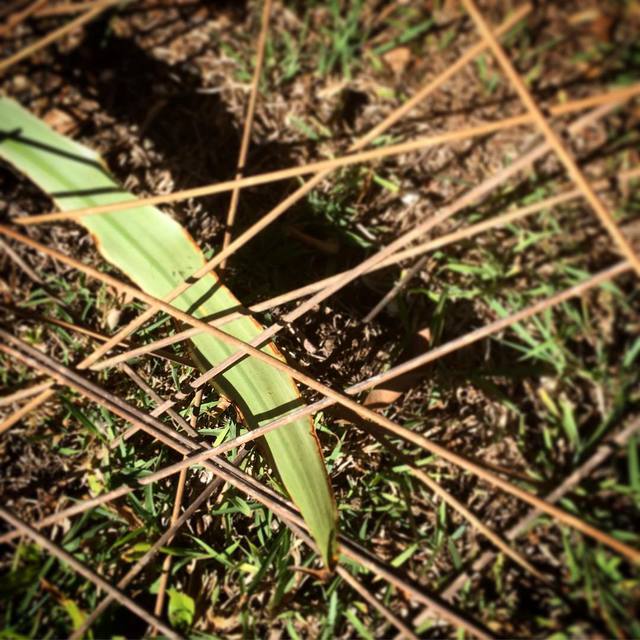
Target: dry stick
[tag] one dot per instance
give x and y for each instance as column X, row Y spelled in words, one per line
column 374, row 602
column 29, row 315
column 75, row 509
column 56, row 34
column 84, row 571
column 488, row 224
column 397, row 287
column 420, row 361
column 248, row 123
column 164, row 539
column 445, row 213
column 64, row 9
column 26, row 409
column 23, row 394
column 175, row 416
column 37, row 360
column 463, row 233
column 430, row 356
column 20, row 262
column 299, row 193
column 561, row 151
column 177, row 505
column 477, row 131
column 17, row 18
column 336, row 396
column 572, row 480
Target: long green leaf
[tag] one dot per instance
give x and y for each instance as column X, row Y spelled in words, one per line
column 156, row 253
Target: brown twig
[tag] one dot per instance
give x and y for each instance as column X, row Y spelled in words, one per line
column 86, row 331
column 248, row 123
column 359, row 588
column 26, row 409
column 552, row 138
column 20, row 262
column 175, row 515
column 57, row 34
column 23, row 394
column 480, row 130
column 85, row 572
column 18, row 18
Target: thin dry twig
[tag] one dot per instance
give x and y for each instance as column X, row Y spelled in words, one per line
column 363, row 412
column 464, row 233
column 85, row 572
column 248, row 123
column 366, row 595
column 19, row 17
column 480, row 130
column 552, row 138
column 23, row 394
column 57, row 34
column 26, row 409
column 20, row 262
column 175, row 515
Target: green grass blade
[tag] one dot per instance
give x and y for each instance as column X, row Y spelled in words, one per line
column 156, row 253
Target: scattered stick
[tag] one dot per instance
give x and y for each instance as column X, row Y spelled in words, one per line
column 57, row 34
column 85, row 572
column 18, row 18
column 552, row 138
column 393, row 292
column 175, row 516
column 20, row 262
column 26, row 409
column 405, row 632
column 86, row 331
column 23, row 394
column 480, row 130
column 463, row 233
column 182, row 444
column 248, row 123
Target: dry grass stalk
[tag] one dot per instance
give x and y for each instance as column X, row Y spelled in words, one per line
column 231, row 474
column 85, row 572
column 248, row 123
column 26, row 409
column 348, row 403
column 18, row 18
column 553, row 139
column 57, row 34
column 476, row 131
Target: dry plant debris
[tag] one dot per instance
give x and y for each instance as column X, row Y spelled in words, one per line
column 490, row 484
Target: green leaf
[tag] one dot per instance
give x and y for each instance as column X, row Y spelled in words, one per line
column 156, row 253
column 181, row 609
